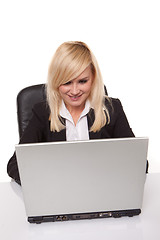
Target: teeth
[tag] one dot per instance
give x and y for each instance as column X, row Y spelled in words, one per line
column 74, row 97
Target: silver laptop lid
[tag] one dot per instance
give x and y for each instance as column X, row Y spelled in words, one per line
column 84, row 176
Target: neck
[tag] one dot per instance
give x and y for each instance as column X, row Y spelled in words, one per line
column 75, row 113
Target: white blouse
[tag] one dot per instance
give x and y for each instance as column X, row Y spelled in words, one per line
column 80, row 131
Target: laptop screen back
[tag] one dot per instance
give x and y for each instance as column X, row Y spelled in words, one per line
column 84, row 176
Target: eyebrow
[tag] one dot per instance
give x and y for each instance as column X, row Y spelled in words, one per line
column 83, row 78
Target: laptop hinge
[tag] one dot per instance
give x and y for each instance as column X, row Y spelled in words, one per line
column 79, row 216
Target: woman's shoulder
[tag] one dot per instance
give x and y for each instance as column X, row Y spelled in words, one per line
column 113, row 104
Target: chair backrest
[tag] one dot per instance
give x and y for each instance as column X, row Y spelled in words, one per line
column 26, row 99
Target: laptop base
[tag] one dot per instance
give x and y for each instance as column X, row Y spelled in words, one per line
column 66, row 217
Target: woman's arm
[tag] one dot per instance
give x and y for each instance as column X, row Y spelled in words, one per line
column 33, row 133
column 121, row 125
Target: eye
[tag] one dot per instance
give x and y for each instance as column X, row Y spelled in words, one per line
column 83, row 81
column 67, row 83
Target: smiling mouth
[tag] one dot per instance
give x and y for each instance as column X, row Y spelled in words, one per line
column 74, row 98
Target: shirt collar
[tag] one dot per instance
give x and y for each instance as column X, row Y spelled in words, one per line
column 65, row 113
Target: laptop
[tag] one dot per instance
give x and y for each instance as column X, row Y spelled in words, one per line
column 82, row 179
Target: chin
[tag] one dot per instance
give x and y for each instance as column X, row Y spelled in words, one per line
column 76, row 104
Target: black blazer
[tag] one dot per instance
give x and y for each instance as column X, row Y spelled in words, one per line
column 38, row 129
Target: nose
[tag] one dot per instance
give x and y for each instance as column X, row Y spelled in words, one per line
column 74, row 89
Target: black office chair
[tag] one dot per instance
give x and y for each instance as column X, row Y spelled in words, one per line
column 26, row 99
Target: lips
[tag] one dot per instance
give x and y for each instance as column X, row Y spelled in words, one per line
column 74, row 98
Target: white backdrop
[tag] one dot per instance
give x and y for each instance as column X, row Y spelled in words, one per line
column 124, row 36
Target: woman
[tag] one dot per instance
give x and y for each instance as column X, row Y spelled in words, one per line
column 77, row 107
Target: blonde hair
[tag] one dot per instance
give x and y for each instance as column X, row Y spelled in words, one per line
column 68, row 62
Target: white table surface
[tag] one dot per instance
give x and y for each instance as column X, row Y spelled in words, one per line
column 14, row 225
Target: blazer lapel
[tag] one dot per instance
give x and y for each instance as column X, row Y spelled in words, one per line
column 59, row 136
column 90, row 119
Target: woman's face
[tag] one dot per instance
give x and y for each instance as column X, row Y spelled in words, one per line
column 75, row 92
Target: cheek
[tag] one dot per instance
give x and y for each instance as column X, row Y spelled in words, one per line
column 62, row 90
column 88, row 87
